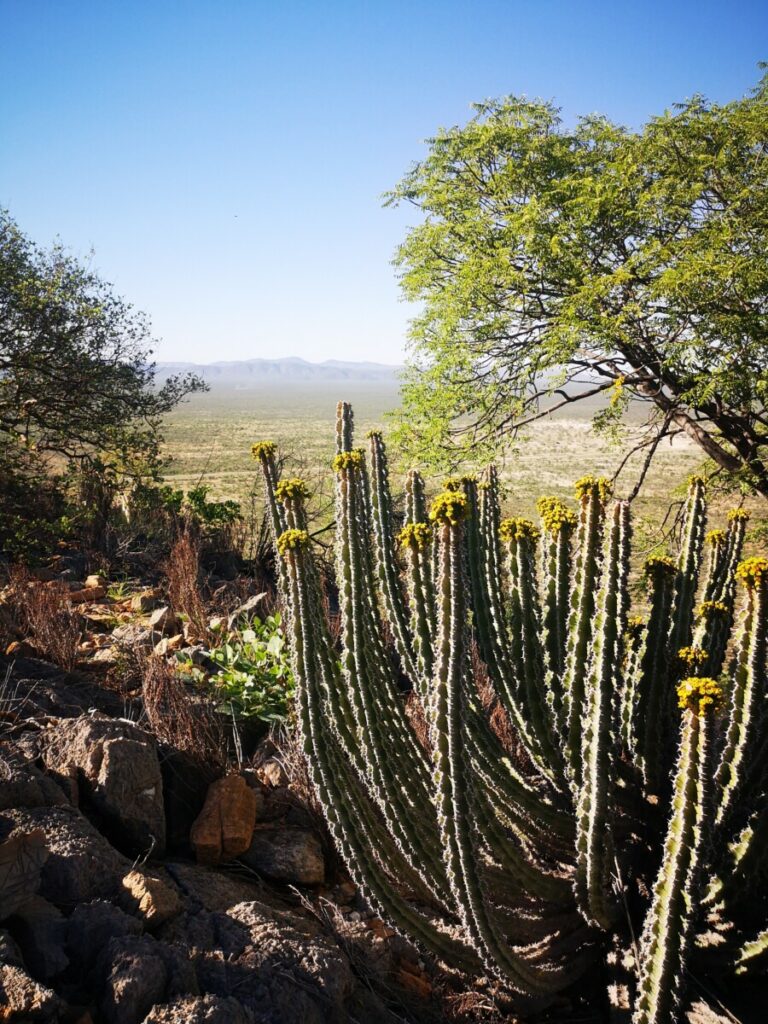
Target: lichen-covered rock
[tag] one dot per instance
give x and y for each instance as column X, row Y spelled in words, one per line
column 292, row 855
column 81, row 865
column 119, row 770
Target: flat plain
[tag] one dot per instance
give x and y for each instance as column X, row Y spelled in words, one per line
column 209, row 441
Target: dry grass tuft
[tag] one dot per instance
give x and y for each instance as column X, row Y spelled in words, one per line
column 46, row 616
column 184, row 578
column 181, row 719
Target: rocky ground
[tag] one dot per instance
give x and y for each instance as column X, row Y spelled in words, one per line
column 142, row 884
column 135, row 889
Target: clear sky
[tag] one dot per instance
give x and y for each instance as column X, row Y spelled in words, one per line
column 224, row 159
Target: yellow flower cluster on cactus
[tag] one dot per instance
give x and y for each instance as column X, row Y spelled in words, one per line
column 456, row 483
column 692, row 657
column 373, row 433
column 348, row 460
column 415, row 535
column 292, row 490
column 449, row 508
column 289, row 540
column 263, row 449
column 753, row 572
column 555, row 515
column 737, row 515
column 659, row 565
column 517, row 529
column 715, row 538
column 585, row 485
column 700, row 694
column 707, row 609
column 696, row 479
column 635, row 625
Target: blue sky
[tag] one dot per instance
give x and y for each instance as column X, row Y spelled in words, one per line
column 224, row 159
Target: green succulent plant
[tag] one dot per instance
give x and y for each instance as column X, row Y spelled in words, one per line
column 612, row 810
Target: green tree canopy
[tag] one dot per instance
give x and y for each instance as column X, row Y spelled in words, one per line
column 75, row 372
column 555, row 263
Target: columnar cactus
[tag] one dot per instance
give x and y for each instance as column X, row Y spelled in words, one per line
column 619, row 787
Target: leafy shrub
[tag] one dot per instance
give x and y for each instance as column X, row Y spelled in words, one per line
column 254, row 679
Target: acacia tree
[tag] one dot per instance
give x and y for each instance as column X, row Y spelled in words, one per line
column 555, row 264
column 75, row 374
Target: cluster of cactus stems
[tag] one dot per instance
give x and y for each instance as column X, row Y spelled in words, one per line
column 521, row 775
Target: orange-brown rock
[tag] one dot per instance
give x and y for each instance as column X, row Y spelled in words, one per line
column 154, row 899
column 87, row 594
column 414, row 980
column 224, row 827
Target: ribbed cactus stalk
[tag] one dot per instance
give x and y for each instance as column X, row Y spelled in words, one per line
column 594, row 842
column 592, row 492
column 670, row 920
column 602, row 776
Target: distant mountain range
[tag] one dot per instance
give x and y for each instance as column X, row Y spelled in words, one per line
column 246, row 374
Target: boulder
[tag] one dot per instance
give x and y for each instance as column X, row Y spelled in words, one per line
column 90, row 928
column 136, row 979
column 24, row 785
column 201, row 1010
column 224, row 828
column 154, row 900
column 22, row 999
column 96, row 579
column 290, row 855
column 22, row 857
column 119, row 773
column 41, row 932
column 80, row 865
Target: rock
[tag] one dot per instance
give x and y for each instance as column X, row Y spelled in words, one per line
column 155, row 900
column 290, row 855
column 26, row 786
column 119, row 770
column 9, row 950
column 22, row 857
column 41, row 931
column 106, row 655
column 91, row 926
column 145, row 601
column 246, row 610
column 134, row 635
column 96, row 579
column 272, row 773
column 80, row 865
column 137, row 979
column 169, row 644
column 224, row 827
column 201, row 1010
column 185, row 784
column 163, row 620
column 24, row 1000
column 21, row 649
column 87, row 595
